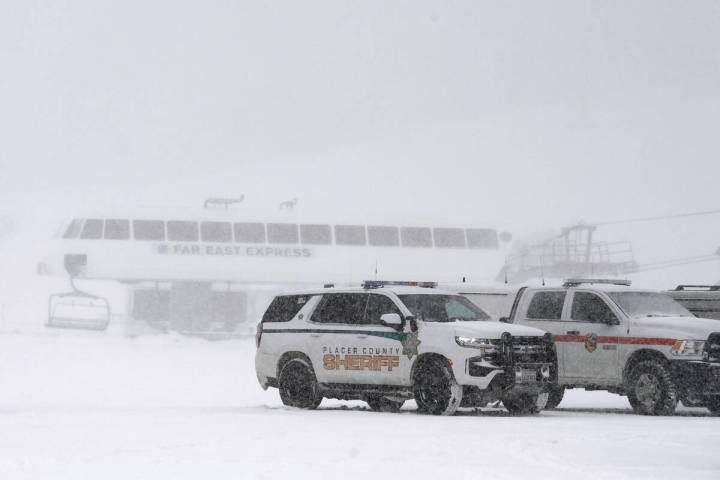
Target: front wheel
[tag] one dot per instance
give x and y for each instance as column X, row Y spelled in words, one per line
column 651, row 390
column 298, row 386
column 555, row 396
column 435, row 389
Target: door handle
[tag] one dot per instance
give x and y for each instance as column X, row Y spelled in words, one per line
column 316, row 335
column 362, row 336
column 573, row 332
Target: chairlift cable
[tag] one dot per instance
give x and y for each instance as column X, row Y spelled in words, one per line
column 660, row 217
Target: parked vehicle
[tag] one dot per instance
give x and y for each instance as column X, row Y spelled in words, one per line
column 629, row 341
column 387, row 343
column 701, row 300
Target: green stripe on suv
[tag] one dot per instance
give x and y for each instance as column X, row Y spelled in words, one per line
column 399, row 336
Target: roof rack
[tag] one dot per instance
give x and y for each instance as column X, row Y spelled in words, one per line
column 710, row 288
column 574, row 282
column 367, row 284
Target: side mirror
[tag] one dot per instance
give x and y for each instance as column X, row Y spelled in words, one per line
column 392, row 320
column 504, row 320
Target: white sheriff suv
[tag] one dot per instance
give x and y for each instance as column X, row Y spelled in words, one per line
column 634, row 342
column 389, row 342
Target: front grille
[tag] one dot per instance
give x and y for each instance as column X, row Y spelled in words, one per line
column 712, row 348
column 531, row 350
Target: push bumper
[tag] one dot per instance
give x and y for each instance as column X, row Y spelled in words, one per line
column 696, row 377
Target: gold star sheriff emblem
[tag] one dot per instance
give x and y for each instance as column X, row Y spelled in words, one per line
column 410, row 344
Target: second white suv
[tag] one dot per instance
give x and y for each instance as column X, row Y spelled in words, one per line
column 387, row 344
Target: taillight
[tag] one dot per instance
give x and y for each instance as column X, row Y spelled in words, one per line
column 258, row 335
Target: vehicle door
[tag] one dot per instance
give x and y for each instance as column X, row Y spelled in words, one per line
column 591, row 340
column 545, row 311
column 352, row 346
column 334, row 336
column 381, row 346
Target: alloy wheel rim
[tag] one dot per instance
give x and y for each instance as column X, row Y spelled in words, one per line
column 647, row 389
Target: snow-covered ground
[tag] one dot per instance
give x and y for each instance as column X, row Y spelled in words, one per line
column 77, row 405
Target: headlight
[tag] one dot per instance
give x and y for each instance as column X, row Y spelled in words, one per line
column 484, row 344
column 689, row 347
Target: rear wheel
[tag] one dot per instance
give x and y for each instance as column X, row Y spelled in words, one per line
column 379, row 403
column 651, row 390
column 435, row 389
column 555, row 396
column 298, row 386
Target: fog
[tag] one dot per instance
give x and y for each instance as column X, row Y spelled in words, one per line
column 521, row 116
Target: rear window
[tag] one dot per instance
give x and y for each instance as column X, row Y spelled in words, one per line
column 284, row 308
column 546, row 306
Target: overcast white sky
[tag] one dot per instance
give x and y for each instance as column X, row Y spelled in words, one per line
column 527, row 114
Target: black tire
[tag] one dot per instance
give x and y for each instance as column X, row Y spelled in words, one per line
column 379, row 403
column 555, row 396
column 435, row 389
column 526, row 404
column 651, row 390
column 298, row 386
column 713, row 404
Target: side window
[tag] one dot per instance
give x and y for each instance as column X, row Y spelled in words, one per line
column 449, row 237
column 546, row 306
column 377, row 306
column 216, row 232
column 482, row 238
column 117, row 229
column 284, row 308
column 350, row 235
column 588, row 307
column 92, row 230
column 282, row 233
column 347, row 308
column 149, row 229
column 249, row 232
column 73, row 229
column 180, row 231
column 315, row 234
column 416, row 237
column 383, row 236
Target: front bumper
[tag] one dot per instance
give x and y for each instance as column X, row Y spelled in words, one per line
column 696, row 378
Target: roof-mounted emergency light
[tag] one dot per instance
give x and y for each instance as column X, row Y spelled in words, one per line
column 388, row 283
column 574, row 282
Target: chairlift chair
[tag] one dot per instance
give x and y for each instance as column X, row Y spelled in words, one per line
column 77, row 309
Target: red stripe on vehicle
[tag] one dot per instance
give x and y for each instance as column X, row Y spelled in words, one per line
column 617, row 340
